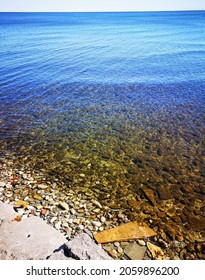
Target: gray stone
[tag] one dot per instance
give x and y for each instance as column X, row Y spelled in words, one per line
column 135, row 251
column 82, row 247
column 30, row 238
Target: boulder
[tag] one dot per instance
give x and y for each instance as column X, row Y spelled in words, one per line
column 27, row 238
column 83, row 247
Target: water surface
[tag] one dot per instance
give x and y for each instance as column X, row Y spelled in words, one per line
column 111, row 103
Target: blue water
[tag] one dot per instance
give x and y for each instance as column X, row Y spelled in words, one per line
column 102, row 47
column 122, row 91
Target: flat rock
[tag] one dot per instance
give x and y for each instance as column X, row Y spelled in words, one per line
column 135, row 251
column 27, row 238
column 126, row 232
column 82, row 247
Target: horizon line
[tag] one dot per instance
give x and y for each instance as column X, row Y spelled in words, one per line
column 123, row 11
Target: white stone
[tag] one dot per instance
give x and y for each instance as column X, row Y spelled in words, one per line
column 141, row 242
column 64, row 205
column 65, row 224
column 102, row 219
column 70, row 221
column 76, row 221
column 72, row 211
column 96, row 223
column 53, row 220
column 81, row 227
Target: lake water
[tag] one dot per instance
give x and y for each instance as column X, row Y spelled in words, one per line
column 111, row 103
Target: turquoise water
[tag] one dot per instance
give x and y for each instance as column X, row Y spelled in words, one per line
column 118, row 97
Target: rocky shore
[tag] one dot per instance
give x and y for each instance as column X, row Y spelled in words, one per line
column 73, row 215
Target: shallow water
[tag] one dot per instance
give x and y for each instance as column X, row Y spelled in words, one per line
column 111, row 103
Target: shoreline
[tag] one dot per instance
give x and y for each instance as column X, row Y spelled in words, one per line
column 73, row 213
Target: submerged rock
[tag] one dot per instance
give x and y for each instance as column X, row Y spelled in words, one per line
column 149, row 194
column 164, row 193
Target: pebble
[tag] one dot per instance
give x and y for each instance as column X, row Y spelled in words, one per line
column 72, row 211
column 141, row 242
column 53, row 220
column 81, row 227
column 120, row 250
column 64, row 205
column 70, row 221
column 96, row 203
column 96, row 223
column 97, row 210
column 65, row 224
column 37, row 197
column 8, row 194
column 42, row 186
column 102, row 219
column 76, row 221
